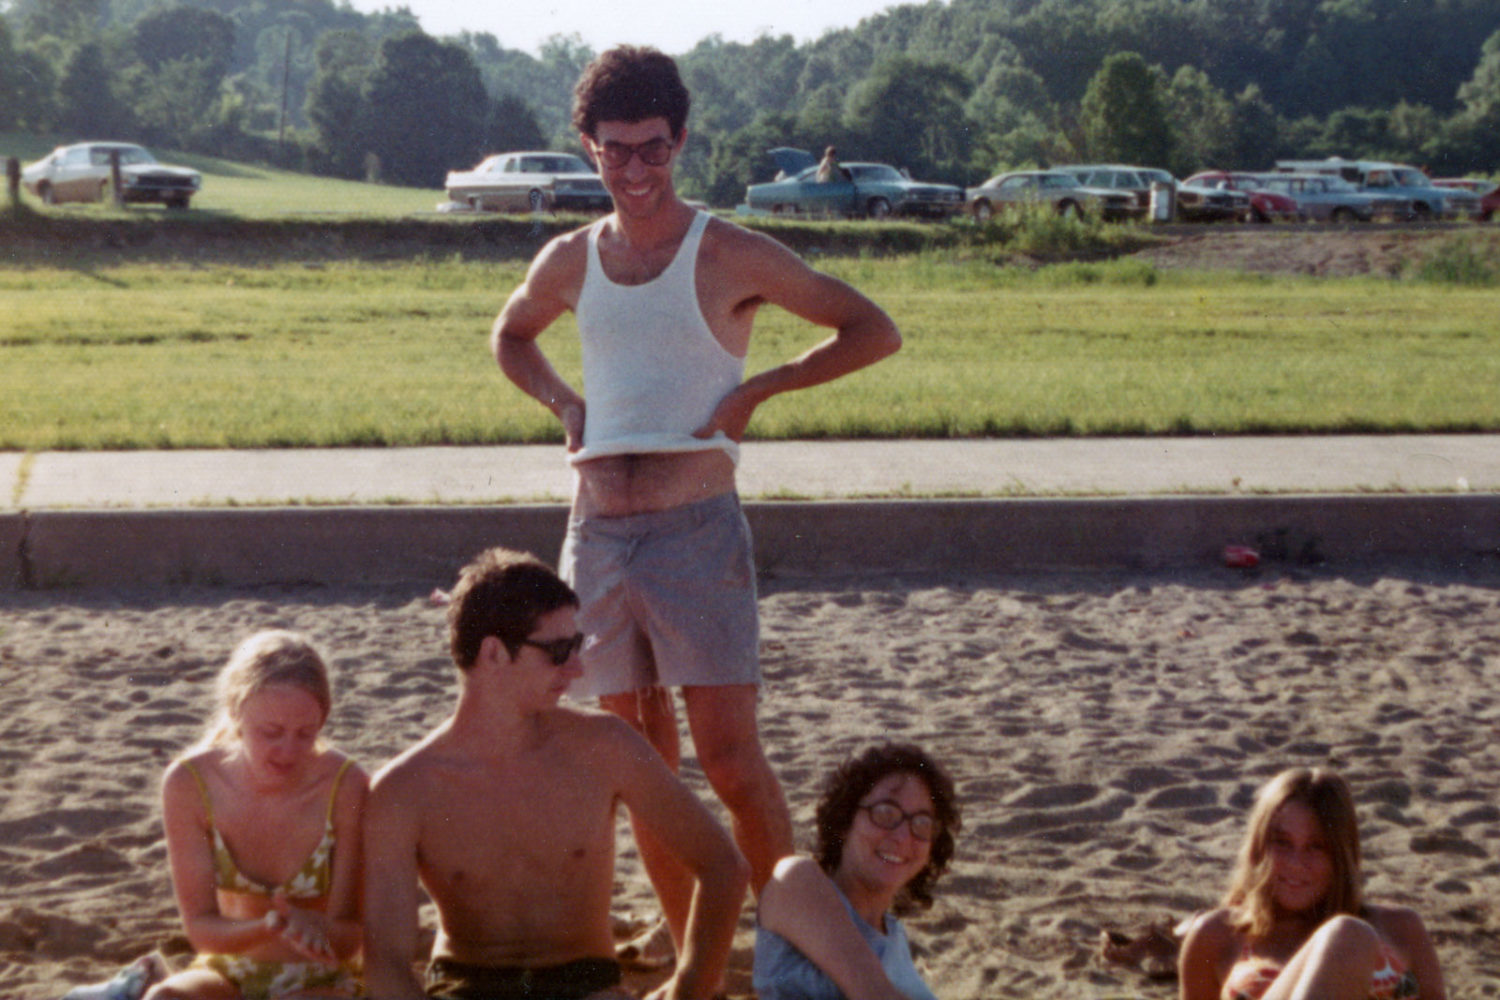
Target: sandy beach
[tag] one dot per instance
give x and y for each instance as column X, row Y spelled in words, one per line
column 1106, row 732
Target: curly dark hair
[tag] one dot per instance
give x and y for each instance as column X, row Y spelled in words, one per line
column 630, row 83
column 853, row 781
column 501, row 593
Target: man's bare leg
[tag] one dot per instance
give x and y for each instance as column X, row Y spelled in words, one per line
column 725, row 734
column 653, row 714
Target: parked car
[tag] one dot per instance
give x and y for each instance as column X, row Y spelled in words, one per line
column 1134, row 181
column 1062, row 191
column 874, row 190
column 1488, row 191
column 82, row 173
column 529, row 182
column 1324, row 198
column 1197, row 202
column 1265, row 206
column 1428, row 201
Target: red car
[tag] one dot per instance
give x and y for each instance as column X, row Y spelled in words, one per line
column 1488, row 191
column 1265, row 206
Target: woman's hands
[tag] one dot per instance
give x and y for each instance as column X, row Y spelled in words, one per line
column 306, row 931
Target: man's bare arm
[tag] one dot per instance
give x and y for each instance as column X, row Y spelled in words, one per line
column 549, row 290
column 390, row 850
column 863, row 333
column 664, row 804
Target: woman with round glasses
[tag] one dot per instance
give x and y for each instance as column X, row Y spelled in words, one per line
column 885, row 834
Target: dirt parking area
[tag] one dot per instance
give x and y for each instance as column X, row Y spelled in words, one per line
column 1385, row 250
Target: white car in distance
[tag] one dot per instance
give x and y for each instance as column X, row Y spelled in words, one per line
column 528, row 182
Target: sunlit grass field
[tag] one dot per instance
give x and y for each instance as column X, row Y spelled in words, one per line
column 176, row 355
column 104, row 348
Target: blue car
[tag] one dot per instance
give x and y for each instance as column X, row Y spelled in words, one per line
column 872, row 190
column 1395, row 180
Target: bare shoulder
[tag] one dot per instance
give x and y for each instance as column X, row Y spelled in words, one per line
column 179, row 778
column 727, row 243
column 589, row 728
column 353, row 780
column 404, row 775
column 1210, row 932
column 562, row 256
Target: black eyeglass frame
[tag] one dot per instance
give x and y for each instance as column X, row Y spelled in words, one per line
column 617, row 155
column 934, row 825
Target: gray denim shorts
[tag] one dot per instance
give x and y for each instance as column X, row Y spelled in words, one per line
column 667, row 598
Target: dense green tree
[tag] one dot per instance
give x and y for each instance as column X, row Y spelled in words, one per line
column 334, row 102
column 1253, row 131
column 1480, row 94
column 1358, row 133
column 911, row 114
column 820, row 122
column 86, row 99
column 511, row 125
column 174, row 105
column 67, row 20
column 740, row 159
column 180, row 32
column 10, row 81
column 424, row 110
column 1123, row 115
column 1201, row 119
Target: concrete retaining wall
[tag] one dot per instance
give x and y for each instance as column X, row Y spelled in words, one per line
column 428, row 544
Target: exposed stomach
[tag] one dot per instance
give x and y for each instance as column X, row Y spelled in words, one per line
column 622, row 485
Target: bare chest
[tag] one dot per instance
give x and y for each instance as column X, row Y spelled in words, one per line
column 487, row 829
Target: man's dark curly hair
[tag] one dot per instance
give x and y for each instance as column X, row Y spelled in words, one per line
column 853, row 781
column 630, row 83
column 501, row 593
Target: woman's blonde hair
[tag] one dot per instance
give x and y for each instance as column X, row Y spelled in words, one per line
column 1327, row 795
column 273, row 656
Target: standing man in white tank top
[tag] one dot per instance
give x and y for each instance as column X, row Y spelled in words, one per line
column 657, row 548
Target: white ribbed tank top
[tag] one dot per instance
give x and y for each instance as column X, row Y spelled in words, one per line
column 653, row 371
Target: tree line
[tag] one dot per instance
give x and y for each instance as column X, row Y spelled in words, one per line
column 952, row 91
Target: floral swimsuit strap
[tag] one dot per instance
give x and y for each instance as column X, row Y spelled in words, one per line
column 312, row 879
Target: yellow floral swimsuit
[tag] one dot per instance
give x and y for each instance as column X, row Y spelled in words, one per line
column 267, row 980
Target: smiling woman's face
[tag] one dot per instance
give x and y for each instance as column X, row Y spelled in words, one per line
column 1301, row 860
column 888, row 859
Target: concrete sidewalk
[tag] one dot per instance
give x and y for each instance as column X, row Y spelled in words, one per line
column 1085, row 467
column 128, row 519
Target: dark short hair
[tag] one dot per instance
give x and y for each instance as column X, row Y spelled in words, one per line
column 853, row 781
column 501, row 593
column 630, row 83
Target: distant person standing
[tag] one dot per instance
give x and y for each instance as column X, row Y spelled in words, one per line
column 657, row 546
column 828, row 167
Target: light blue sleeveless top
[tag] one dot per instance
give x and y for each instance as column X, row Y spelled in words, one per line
column 783, row 973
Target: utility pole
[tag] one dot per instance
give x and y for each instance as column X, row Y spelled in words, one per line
column 286, row 73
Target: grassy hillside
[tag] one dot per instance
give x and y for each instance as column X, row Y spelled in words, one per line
column 251, row 192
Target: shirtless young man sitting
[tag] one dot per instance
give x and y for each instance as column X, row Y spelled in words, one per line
column 657, row 547
column 506, row 812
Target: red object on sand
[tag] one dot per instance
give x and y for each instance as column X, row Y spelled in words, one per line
column 1241, row 557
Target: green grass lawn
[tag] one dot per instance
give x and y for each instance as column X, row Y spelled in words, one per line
column 118, row 345
column 175, row 355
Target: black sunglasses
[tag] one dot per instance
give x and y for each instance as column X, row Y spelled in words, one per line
column 889, row 816
column 559, row 651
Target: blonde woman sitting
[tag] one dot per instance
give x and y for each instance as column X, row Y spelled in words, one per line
column 263, row 836
column 1293, row 924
